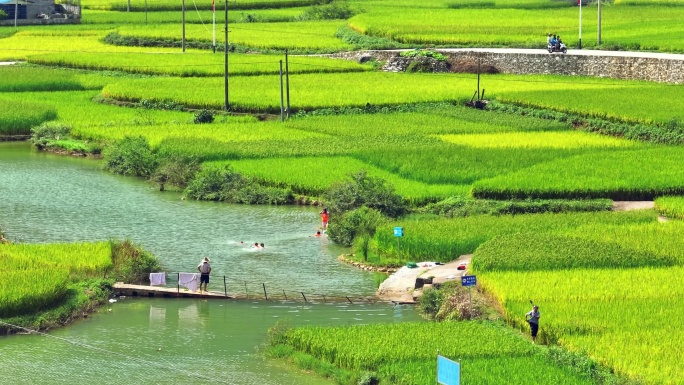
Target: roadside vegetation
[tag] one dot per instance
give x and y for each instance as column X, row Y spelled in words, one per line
column 525, row 185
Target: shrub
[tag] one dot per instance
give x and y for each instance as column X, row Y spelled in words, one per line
column 48, row 132
column 425, row 53
column 3, row 15
column 132, row 264
column 131, row 156
column 175, row 170
column 363, row 190
column 331, row 11
column 361, row 222
column 222, row 183
column 204, row 116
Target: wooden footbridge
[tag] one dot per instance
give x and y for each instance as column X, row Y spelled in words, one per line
column 121, row 288
column 179, row 291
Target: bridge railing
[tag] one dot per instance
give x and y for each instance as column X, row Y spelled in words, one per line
column 234, row 287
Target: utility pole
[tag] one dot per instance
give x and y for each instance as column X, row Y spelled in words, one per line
column 579, row 2
column 16, row 12
column 287, row 84
column 282, row 103
column 599, row 22
column 226, row 105
column 183, row 39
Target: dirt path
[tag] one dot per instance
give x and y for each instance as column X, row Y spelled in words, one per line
column 399, row 287
column 632, row 205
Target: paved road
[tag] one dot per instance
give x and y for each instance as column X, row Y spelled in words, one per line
column 574, row 52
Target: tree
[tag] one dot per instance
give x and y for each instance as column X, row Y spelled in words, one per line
column 363, row 190
column 359, row 225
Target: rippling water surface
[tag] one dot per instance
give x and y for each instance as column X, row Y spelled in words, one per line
column 49, row 198
column 46, row 198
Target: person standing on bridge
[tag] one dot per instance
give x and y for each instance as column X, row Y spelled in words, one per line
column 204, row 269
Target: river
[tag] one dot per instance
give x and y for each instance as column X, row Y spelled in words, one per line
column 45, row 198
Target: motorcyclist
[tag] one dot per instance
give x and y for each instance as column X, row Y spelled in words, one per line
column 558, row 43
column 554, row 41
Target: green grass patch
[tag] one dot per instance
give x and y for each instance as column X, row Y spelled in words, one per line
column 194, row 63
column 671, row 206
column 404, row 353
column 23, row 115
column 444, row 240
column 313, row 176
column 621, row 175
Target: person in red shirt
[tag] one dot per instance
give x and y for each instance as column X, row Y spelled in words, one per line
column 324, row 218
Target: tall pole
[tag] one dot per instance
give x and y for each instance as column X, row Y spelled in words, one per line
column 579, row 2
column 282, row 102
column 287, row 83
column 599, row 22
column 145, row 12
column 183, row 40
column 226, row 106
column 16, row 12
column 478, row 77
column 213, row 32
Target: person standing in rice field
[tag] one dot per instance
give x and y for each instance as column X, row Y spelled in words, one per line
column 532, row 317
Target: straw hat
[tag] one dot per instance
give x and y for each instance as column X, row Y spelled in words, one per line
column 205, row 259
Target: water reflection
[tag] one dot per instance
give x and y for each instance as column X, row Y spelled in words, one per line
column 165, row 341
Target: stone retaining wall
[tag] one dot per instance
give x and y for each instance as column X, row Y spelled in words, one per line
column 618, row 67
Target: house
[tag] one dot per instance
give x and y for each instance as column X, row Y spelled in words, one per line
column 30, row 12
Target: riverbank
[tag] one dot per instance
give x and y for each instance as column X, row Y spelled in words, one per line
column 82, row 300
column 52, row 285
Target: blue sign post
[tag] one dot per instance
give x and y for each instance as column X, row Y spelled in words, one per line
column 448, row 371
column 398, row 232
column 469, row 281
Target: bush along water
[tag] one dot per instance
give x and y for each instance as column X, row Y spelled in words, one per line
column 361, row 202
column 222, row 183
column 56, row 136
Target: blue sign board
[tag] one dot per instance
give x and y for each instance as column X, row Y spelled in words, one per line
column 398, row 231
column 469, row 280
column 448, row 371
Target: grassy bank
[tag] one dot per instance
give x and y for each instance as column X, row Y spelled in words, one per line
column 50, row 285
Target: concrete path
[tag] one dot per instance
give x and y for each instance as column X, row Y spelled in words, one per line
column 400, row 286
column 572, row 52
column 632, row 205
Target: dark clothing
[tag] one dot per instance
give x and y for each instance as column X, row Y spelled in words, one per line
column 534, row 328
column 204, row 278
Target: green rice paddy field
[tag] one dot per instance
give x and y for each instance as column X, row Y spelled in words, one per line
column 586, row 270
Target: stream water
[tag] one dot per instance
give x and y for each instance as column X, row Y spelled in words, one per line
column 46, row 198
